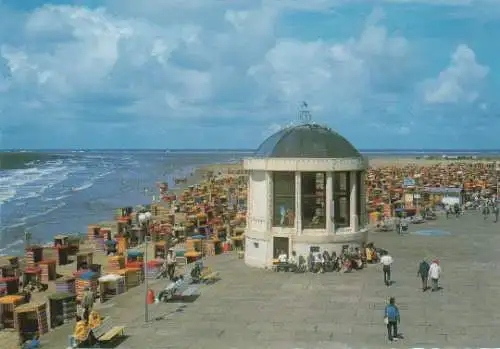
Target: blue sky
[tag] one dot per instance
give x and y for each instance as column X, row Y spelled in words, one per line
column 412, row 74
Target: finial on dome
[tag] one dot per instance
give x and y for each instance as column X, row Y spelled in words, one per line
column 304, row 113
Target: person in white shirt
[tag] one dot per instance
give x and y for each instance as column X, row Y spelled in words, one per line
column 282, row 257
column 386, row 262
column 318, row 262
column 434, row 274
column 170, row 263
column 293, row 262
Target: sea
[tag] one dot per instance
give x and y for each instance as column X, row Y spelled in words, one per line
column 51, row 192
column 62, row 191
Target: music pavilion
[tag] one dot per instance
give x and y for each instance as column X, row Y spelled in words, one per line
column 305, row 192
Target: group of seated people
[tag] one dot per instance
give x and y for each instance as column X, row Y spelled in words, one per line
column 371, row 253
column 350, row 259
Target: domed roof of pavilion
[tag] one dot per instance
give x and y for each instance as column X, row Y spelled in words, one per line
column 307, row 141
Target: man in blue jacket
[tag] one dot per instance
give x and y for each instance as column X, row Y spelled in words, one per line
column 392, row 319
column 423, row 272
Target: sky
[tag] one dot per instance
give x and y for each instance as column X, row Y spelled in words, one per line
column 396, row 74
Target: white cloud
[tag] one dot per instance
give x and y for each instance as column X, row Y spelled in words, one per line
column 330, row 75
column 403, row 130
column 181, row 67
column 459, row 82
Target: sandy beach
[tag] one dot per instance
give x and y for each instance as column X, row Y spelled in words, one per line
column 9, row 337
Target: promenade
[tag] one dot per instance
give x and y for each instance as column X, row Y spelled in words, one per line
column 252, row 308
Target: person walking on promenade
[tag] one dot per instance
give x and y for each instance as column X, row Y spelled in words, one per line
column 392, row 319
column 423, row 272
column 170, row 264
column 386, row 262
column 486, row 211
column 398, row 225
column 435, row 274
column 496, row 210
column 87, row 302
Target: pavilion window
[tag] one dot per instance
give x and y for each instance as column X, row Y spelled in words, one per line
column 342, row 199
column 313, row 194
column 284, row 199
column 359, row 181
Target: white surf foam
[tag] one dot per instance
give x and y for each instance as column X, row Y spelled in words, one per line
column 84, row 186
column 30, row 183
column 10, row 246
column 57, row 198
column 43, row 213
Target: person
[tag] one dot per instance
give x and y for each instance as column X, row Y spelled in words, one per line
column 423, row 272
column 496, row 211
column 310, row 261
column 386, row 262
column 318, row 263
column 171, row 261
column 392, row 319
column 369, row 254
column 434, row 274
column 82, row 332
column 110, row 246
column 282, row 257
column 293, row 262
column 94, row 319
column 486, row 211
column 32, row 344
column 283, row 261
column 87, row 301
column 398, row 225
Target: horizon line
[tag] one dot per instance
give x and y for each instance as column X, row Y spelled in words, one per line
column 423, row 150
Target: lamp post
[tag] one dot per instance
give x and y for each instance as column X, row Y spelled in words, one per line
column 27, row 239
column 497, row 170
column 144, row 220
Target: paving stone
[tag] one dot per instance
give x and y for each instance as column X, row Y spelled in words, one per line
column 251, row 308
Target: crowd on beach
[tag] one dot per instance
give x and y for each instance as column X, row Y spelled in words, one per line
column 386, row 184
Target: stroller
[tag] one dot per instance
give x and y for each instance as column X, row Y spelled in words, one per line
column 302, row 265
column 404, row 225
column 196, row 272
column 329, row 264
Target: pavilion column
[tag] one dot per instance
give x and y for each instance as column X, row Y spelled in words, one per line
column 249, row 202
column 353, row 201
column 270, row 203
column 329, row 203
column 298, row 203
column 362, row 196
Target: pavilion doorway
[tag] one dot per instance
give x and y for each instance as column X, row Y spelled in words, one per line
column 280, row 244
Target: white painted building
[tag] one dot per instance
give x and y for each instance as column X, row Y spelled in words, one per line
column 306, row 190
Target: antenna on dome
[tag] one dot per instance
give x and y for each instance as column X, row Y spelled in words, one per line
column 304, row 113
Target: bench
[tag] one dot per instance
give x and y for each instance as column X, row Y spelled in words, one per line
column 190, row 291
column 106, row 332
column 181, row 289
column 210, row 277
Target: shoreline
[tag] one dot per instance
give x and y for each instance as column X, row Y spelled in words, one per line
column 9, row 339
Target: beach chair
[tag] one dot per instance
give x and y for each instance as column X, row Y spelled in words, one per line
column 210, row 277
column 106, row 332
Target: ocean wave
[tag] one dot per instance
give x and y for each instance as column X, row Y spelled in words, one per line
column 84, row 186
column 32, row 182
column 10, row 246
column 105, row 174
column 43, row 213
column 57, row 198
column 6, row 193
